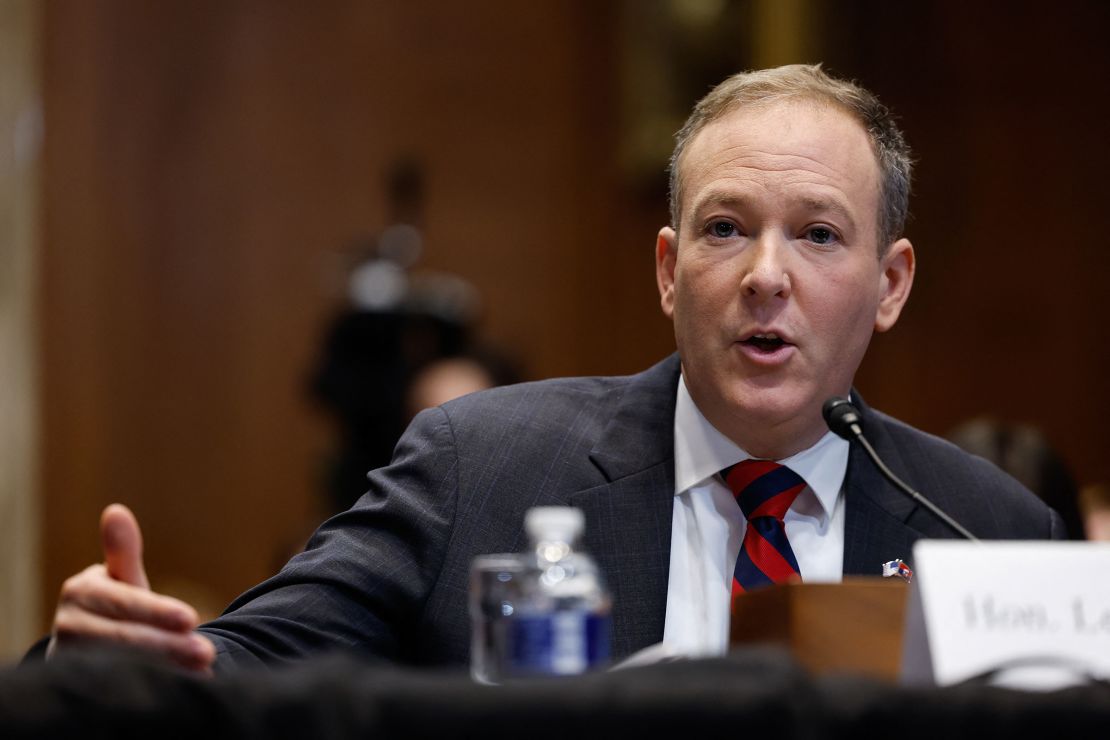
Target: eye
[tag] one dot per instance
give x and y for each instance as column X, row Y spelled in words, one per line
column 821, row 235
column 722, row 229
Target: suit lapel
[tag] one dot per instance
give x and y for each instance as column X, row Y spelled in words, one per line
column 875, row 529
column 629, row 532
column 629, row 517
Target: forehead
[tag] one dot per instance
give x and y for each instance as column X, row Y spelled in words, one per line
column 794, row 146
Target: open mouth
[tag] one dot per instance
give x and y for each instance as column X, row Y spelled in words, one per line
column 765, row 342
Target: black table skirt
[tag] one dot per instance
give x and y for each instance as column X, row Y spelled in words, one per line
column 757, row 693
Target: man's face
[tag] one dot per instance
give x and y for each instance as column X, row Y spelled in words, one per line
column 774, row 280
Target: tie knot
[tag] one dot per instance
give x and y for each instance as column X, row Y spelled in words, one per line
column 763, row 487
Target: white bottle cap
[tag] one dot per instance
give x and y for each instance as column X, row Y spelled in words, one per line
column 560, row 523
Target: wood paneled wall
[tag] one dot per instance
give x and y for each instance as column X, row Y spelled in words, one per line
column 1010, row 315
column 205, row 160
column 20, row 136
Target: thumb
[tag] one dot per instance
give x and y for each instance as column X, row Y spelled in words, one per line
column 123, row 545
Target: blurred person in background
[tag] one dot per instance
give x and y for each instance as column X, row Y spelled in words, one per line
column 404, row 340
column 1094, row 503
column 1023, row 451
column 377, row 363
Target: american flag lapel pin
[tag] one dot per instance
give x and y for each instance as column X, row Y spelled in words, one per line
column 897, row 568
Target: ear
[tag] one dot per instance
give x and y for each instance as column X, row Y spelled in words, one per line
column 666, row 254
column 898, row 266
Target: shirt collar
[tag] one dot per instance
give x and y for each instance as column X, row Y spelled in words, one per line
column 701, row 451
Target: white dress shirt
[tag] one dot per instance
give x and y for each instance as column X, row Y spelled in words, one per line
column 708, row 527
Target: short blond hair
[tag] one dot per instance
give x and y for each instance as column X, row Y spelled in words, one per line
column 810, row 82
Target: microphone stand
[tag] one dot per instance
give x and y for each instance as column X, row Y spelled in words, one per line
column 843, row 419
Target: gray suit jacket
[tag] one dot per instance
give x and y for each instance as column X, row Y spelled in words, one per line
column 389, row 576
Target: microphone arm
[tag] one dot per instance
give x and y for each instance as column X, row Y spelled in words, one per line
column 843, row 419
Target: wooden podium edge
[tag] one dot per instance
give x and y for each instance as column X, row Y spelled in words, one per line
column 854, row 626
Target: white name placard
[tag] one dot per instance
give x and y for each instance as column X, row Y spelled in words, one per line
column 1034, row 614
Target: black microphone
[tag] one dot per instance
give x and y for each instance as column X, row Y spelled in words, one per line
column 844, row 420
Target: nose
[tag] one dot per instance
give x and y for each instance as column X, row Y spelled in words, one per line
column 766, row 273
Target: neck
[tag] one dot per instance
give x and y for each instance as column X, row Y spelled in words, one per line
column 770, row 437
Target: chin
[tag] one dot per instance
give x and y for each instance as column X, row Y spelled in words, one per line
column 737, row 405
column 768, row 412
column 774, row 408
column 769, row 394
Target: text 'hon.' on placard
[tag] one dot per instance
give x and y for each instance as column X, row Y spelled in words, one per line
column 1035, row 614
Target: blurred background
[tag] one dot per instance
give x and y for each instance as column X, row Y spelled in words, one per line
column 232, row 232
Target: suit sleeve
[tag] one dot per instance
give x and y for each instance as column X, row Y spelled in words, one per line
column 363, row 580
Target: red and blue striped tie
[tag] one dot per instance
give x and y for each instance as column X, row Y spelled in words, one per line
column 764, row 490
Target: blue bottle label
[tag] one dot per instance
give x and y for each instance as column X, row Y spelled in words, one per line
column 561, row 643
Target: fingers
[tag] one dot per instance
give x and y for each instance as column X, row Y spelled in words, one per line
column 93, row 607
column 112, row 603
column 123, row 545
column 73, row 626
column 93, row 590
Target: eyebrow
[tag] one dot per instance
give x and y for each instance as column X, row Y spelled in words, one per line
column 715, row 199
column 814, row 203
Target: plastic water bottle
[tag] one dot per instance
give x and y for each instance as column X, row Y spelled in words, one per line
column 495, row 593
column 560, row 622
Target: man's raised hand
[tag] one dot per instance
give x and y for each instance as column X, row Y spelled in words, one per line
column 112, row 603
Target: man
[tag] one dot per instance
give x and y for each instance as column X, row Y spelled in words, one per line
column 784, row 255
